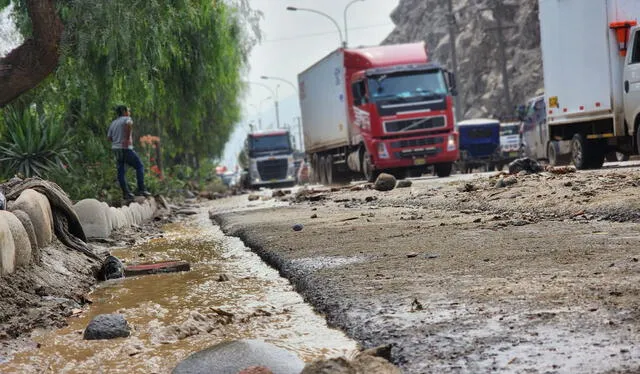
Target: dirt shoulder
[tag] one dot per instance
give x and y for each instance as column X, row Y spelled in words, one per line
column 463, row 277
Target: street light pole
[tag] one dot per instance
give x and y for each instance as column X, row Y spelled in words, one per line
column 275, row 95
column 346, row 30
column 293, row 9
column 295, row 89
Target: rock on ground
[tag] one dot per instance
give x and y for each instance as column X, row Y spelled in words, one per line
column 234, row 356
column 107, row 326
column 385, row 182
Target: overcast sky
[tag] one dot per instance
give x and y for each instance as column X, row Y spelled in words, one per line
column 293, row 41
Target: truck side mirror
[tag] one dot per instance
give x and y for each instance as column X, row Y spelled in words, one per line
column 452, row 83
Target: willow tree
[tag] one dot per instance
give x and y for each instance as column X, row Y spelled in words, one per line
column 177, row 63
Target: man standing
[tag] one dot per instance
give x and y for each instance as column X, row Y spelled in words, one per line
column 121, row 138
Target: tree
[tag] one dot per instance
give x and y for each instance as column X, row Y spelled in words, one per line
column 178, row 64
column 29, row 64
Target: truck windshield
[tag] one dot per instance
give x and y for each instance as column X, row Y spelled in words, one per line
column 406, row 85
column 270, row 143
column 509, row 130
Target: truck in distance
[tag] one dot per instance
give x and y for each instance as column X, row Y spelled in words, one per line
column 269, row 159
column 591, row 66
column 374, row 109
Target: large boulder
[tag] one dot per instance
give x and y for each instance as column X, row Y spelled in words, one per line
column 21, row 242
column 93, row 218
column 31, row 232
column 107, row 326
column 235, row 356
column 7, row 250
column 36, row 205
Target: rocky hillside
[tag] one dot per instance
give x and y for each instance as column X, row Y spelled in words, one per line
column 477, row 46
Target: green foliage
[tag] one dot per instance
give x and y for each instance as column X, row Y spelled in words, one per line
column 34, row 143
column 178, row 64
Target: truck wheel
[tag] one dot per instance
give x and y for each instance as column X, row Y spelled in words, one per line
column 443, row 170
column 587, row 154
column 579, row 152
column 328, row 169
column 367, row 168
column 322, row 175
column 617, row 156
column 552, row 155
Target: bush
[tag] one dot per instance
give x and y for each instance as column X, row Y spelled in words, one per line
column 34, row 144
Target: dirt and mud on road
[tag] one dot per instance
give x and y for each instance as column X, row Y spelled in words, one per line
column 45, row 295
column 527, row 274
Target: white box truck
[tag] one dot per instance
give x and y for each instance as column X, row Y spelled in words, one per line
column 591, row 64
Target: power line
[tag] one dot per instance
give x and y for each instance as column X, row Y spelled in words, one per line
column 325, row 33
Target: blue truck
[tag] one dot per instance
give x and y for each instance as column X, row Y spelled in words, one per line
column 479, row 142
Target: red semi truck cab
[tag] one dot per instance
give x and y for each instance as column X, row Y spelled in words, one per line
column 398, row 107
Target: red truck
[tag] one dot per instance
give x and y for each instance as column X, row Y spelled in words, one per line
column 378, row 109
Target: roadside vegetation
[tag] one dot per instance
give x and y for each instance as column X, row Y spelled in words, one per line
column 178, row 65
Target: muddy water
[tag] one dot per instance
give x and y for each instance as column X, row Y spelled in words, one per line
column 173, row 315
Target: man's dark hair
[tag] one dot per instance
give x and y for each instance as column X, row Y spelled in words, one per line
column 121, row 109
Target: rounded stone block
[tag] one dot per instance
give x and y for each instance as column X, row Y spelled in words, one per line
column 126, row 211
column 136, row 209
column 36, row 205
column 120, row 220
column 93, row 218
column 7, row 249
column 21, row 242
column 33, row 239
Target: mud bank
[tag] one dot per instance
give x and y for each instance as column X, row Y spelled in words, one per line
column 466, row 280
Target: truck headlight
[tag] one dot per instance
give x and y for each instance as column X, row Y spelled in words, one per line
column 382, row 151
column 451, row 143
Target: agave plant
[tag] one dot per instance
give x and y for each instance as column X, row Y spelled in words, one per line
column 33, row 144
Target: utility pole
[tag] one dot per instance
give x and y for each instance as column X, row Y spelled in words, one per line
column 454, row 57
column 502, row 51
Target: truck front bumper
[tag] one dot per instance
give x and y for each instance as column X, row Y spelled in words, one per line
column 416, row 151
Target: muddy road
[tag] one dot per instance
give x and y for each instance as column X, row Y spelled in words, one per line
column 228, row 294
column 474, row 274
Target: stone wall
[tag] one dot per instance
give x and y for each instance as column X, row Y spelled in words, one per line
column 27, row 225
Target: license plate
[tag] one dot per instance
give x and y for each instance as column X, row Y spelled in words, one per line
column 419, row 161
column 513, row 154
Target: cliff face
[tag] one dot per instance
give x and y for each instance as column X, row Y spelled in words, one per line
column 480, row 81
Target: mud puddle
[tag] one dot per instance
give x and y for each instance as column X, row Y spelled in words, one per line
column 228, row 294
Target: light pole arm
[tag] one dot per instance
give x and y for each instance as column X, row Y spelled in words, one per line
column 324, row 15
column 295, row 89
column 346, row 30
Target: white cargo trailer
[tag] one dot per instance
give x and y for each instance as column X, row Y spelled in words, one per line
column 591, row 63
column 323, row 103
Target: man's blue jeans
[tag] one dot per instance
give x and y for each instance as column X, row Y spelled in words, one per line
column 129, row 157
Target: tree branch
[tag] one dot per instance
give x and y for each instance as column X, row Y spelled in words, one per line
column 29, row 64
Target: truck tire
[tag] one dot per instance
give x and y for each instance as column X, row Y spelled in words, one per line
column 443, row 170
column 552, row 155
column 328, row 169
column 587, row 154
column 322, row 175
column 367, row 168
column 614, row 156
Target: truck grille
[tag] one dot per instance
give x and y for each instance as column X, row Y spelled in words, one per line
column 272, row 169
column 417, row 142
column 414, row 124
